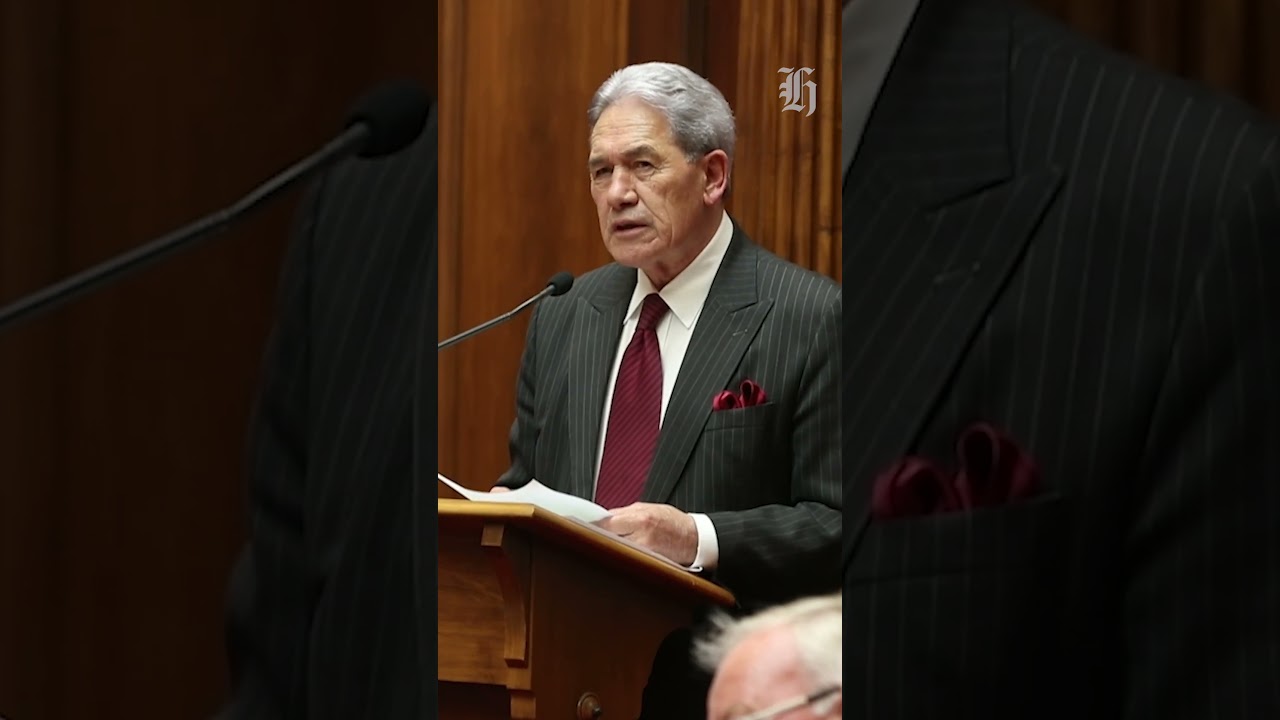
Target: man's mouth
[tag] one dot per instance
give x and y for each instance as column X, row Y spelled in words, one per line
column 626, row 225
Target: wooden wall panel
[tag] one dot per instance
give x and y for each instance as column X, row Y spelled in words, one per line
column 31, row 410
column 788, row 174
column 515, row 83
column 1232, row 45
column 123, row 416
column 721, row 23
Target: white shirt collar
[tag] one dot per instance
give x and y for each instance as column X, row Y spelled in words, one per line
column 687, row 292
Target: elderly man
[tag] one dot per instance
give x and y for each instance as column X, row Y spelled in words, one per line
column 691, row 385
column 783, row 662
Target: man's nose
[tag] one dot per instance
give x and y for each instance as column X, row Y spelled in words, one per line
column 622, row 191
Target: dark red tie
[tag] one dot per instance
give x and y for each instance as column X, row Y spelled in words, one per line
column 635, row 415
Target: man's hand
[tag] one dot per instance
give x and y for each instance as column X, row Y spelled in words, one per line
column 499, row 489
column 661, row 528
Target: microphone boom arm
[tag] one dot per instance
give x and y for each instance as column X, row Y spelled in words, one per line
column 496, row 321
column 207, row 226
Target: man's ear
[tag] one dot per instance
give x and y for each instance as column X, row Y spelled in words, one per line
column 715, row 172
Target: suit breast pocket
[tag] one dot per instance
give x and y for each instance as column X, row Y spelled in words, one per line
column 739, row 458
column 966, row 604
column 754, row 416
column 1015, row 536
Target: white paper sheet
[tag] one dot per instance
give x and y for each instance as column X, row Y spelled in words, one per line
column 539, row 495
column 573, row 507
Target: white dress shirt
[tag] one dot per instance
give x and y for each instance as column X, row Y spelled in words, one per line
column 685, row 296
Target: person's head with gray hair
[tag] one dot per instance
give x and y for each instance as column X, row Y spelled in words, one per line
column 660, row 152
column 697, row 113
column 783, row 662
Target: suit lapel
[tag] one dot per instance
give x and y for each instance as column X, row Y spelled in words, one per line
column 936, row 220
column 726, row 327
column 593, row 346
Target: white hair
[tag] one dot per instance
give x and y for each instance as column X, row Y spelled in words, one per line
column 700, row 117
column 815, row 623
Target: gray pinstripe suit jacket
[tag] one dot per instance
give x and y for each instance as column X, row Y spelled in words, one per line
column 1049, row 237
column 768, row 476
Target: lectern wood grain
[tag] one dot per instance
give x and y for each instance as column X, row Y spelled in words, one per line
column 469, row 601
column 550, row 614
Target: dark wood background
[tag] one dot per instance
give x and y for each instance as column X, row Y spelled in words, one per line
column 122, row 418
column 1233, row 45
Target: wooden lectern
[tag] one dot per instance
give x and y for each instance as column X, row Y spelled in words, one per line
column 541, row 617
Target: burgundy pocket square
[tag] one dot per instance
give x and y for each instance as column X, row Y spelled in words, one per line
column 993, row 471
column 751, row 394
column 913, row 486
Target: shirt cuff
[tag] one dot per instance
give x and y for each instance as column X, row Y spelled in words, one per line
column 708, row 556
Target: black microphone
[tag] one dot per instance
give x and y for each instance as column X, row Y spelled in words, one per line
column 559, row 284
column 383, row 122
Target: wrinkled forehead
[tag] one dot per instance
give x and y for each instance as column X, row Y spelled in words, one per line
column 630, row 126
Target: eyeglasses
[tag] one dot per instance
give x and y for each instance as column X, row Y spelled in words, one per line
column 819, row 699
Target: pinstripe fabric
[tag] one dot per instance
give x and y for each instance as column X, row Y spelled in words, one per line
column 767, row 475
column 1054, row 239
column 332, row 605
